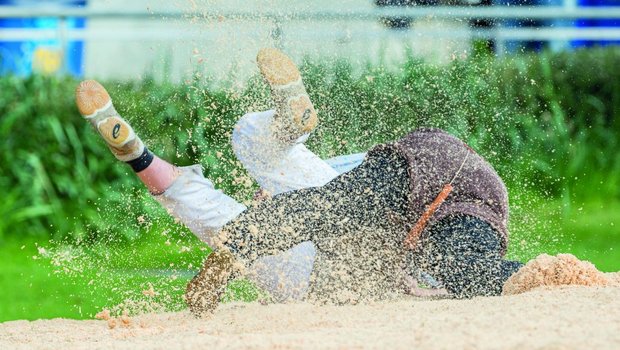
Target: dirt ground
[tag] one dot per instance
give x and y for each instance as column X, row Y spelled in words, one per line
column 572, row 317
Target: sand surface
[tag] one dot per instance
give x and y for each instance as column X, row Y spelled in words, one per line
column 563, row 318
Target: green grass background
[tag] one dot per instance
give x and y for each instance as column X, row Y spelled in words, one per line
column 549, row 123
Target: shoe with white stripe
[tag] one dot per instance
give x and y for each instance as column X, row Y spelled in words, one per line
column 295, row 114
column 95, row 105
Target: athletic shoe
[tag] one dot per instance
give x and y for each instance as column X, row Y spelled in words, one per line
column 204, row 291
column 95, row 105
column 295, row 114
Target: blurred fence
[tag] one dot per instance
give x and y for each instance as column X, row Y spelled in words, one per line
column 558, row 24
column 378, row 14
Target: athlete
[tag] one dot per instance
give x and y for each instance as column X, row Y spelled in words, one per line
column 426, row 202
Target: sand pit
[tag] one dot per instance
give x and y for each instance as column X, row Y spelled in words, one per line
column 563, row 318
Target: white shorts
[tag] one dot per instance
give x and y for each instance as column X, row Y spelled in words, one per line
column 277, row 168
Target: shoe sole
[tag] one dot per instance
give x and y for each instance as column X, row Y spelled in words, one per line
column 91, row 98
column 276, row 67
column 286, row 85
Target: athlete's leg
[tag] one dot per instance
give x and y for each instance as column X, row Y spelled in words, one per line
column 195, row 202
column 158, row 176
column 270, row 146
column 277, row 166
column 184, row 192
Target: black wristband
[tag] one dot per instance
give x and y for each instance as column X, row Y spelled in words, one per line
column 142, row 162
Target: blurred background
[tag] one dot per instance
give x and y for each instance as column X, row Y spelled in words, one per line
column 171, row 39
column 533, row 85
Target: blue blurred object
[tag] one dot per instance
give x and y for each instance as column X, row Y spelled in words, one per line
column 514, row 46
column 46, row 56
column 589, row 23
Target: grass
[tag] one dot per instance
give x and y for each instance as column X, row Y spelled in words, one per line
column 34, row 287
column 589, row 230
column 93, row 277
